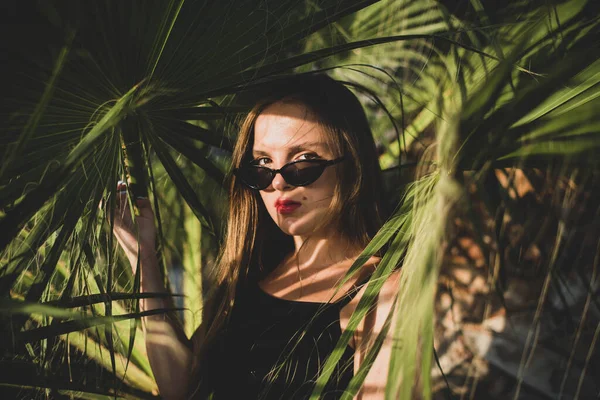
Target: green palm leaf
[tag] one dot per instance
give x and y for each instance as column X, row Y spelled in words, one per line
column 511, row 85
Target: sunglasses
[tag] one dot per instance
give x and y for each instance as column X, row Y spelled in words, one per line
column 295, row 173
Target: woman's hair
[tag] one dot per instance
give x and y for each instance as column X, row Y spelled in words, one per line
column 254, row 245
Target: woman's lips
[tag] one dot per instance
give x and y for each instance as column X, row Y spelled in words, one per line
column 286, row 206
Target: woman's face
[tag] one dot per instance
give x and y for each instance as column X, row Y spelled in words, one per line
column 286, row 132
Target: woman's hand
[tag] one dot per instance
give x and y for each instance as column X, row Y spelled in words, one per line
column 130, row 232
column 166, row 344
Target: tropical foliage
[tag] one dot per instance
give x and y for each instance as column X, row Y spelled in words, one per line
column 486, row 117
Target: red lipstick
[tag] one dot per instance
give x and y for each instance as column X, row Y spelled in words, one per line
column 284, row 206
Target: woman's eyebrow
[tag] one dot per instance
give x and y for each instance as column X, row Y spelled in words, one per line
column 295, row 148
column 260, row 153
column 307, row 146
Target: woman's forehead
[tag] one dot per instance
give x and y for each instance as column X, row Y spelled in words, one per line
column 290, row 126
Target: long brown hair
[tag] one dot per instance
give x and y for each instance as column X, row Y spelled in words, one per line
column 253, row 244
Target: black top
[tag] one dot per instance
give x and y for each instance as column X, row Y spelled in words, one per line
column 275, row 348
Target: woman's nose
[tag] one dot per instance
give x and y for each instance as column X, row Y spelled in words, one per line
column 279, row 183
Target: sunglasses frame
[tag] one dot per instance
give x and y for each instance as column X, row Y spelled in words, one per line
column 274, row 172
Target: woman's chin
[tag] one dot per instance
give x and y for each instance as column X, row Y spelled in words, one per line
column 294, row 230
column 299, row 226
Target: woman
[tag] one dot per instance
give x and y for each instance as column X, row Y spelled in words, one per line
column 304, row 202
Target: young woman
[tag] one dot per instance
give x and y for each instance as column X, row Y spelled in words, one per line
column 305, row 199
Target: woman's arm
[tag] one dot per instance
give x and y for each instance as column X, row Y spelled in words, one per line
column 168, row 349
column 367, row 331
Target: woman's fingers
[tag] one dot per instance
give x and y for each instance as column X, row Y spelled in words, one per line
column 122, row 216
column 133, row 232
column 121, row 185
column 142, row 202
column 121, row 193
column 123, row 212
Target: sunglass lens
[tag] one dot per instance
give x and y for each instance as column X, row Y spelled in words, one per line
column 256, row 177
column 302, row 173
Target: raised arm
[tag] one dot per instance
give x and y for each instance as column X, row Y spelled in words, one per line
column 369, row 328
column 169, row 351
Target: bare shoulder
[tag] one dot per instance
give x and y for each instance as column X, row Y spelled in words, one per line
column 381, row 308
column 386, row 295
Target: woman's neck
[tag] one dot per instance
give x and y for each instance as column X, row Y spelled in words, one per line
column 322, row 251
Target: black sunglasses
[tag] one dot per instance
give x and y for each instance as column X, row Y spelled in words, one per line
column 296, row 173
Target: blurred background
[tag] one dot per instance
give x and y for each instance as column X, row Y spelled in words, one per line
column 485, row 117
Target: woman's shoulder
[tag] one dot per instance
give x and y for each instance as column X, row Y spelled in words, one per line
column 384, row 300
column 388, row 290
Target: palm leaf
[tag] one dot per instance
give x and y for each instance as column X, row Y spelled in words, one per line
column 506, row 86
